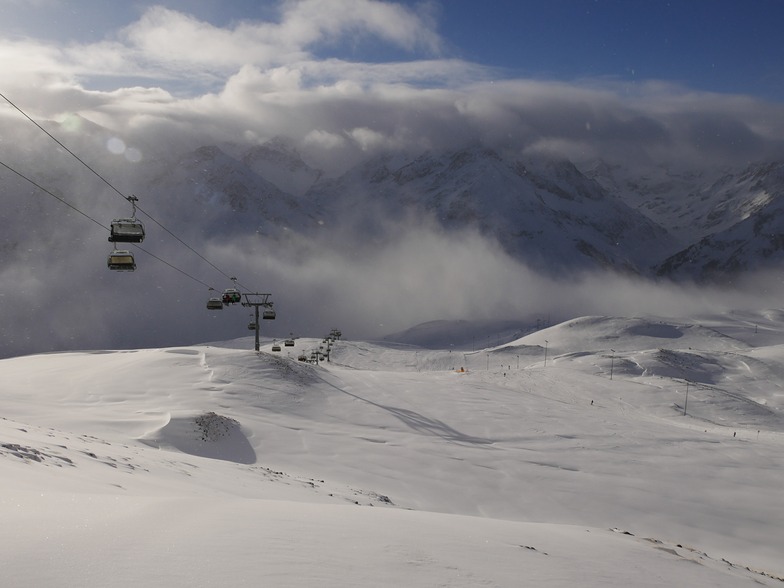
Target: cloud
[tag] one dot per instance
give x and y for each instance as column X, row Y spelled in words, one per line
column 169, row 83
column 169, row 47
column 419, row 272
column 169, row 38
column 171, row 73
column 177, row 44
column 58, row 293
column 314, row 21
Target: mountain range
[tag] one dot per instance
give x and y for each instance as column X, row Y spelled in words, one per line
column 556, row 217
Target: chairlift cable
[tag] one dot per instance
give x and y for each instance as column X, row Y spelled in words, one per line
column 87, row 216
column 174, row 267
column 53, row 138
column 131, row 199
column 53, row 195
column 216, row 268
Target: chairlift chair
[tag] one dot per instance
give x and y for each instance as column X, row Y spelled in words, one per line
column 276, row 347
column 252, row 326
column 126, row 230
column 268, row 315
column 121, row 260
column 289, row 343
column 215, row 304
column 231, row 296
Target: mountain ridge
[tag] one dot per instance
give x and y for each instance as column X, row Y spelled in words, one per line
column 553, row 215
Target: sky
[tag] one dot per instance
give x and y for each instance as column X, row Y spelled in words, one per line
column 369, row 73
column 342, row 78
column 696, row 84
column 710, row 45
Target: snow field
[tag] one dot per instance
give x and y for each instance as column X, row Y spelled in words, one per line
column 389, row 466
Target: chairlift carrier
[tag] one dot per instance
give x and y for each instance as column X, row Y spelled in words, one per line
column 215, row 304
column 127, row 230
column 121, row 260
column 231, row 296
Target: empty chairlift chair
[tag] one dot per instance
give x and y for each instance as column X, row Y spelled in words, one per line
column 268, row 315
column 215, row 304
column 126, row 230
column 121, row 260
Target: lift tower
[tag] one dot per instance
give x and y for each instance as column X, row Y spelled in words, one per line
column 257, row 300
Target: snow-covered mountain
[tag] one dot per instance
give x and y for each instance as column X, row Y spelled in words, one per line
column 745, row 227
column 543, row 212
column 702, row 224
column 280, row 164
column 724, row 221
column 212, row 191
column 556, row 217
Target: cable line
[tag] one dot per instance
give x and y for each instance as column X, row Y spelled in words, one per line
column 60, row 198
column 53, row 138
column 220, row 271
column 87, row 216
column 174, row 267
column 128, row 198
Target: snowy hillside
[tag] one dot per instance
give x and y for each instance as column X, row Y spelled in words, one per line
column 602, row 451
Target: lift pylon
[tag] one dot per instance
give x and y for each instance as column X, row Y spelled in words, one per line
column 256, row 300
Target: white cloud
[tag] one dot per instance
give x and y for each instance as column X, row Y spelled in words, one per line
column 323, row 139
column 194, row 83
column 420, row 272
column 367, row 138
column 259, row 79
column 167, row 45
column 170, row 39
column 164, row 36
column 312, row 21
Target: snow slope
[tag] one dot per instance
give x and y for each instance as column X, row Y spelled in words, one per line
column 563, row 458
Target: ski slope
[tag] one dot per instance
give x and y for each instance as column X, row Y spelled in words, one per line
column 563, row 458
